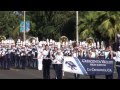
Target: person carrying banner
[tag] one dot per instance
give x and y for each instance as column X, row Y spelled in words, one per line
column 93, row 55
column 54, row 53
column 117, row 59
column 58, row 61
column 108, row 55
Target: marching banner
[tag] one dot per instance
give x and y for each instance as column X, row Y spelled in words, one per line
column 71, row 65
column 87, row 66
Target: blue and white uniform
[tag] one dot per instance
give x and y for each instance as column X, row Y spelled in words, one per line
column 58, row 61
column 117, row 59
column 46, row 64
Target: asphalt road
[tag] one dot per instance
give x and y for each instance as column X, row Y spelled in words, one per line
column 36, row 74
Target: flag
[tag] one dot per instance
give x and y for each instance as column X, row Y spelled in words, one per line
column 27, row 26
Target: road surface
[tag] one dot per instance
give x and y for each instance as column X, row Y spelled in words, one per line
column 36, row 74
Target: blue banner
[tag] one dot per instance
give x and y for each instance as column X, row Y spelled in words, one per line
column 97, row 66
column 88, row 66
column 27, row 26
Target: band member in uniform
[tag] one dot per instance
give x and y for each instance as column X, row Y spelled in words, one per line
column 58, row 64
column 12, row 60
column 93, row 55
column 101, row 54
column 54, row 53
column 7, row 60
column 46, row 63
column 117, row 59
column 29, row 57
column 32, row 60
column 109, row 55
column 35, row 53
column 36, row 60
column 23, row 58
column 0, row 58
column 17, row 58
column 4, row 59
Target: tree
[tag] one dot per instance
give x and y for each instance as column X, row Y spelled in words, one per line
column 48, row 24
column 8, row 22
column 108, row 27
column 100, row 25
column 86, row 24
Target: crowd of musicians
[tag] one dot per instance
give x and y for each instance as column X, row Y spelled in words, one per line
column 27, row 56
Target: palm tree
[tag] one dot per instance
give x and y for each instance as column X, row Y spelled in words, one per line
column 108, row 27
column 86, row 24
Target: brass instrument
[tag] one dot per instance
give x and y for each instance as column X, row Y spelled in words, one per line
column 90, row 41
column 2, row 38
column 30, row 39
column 63, row 39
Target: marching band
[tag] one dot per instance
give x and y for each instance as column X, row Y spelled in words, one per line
column 27, row 56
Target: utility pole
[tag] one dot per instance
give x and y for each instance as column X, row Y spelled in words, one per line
column 24, row 36
column 77, row 27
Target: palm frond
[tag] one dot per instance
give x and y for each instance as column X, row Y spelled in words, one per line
column 16, row 31
column 84, row 34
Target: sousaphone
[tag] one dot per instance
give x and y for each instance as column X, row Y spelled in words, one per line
column 2, row 38
column 90, row 40
column 30, row 39
column 63, row 39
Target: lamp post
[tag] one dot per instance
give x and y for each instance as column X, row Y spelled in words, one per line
column 24, row 36
column 77, row 26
